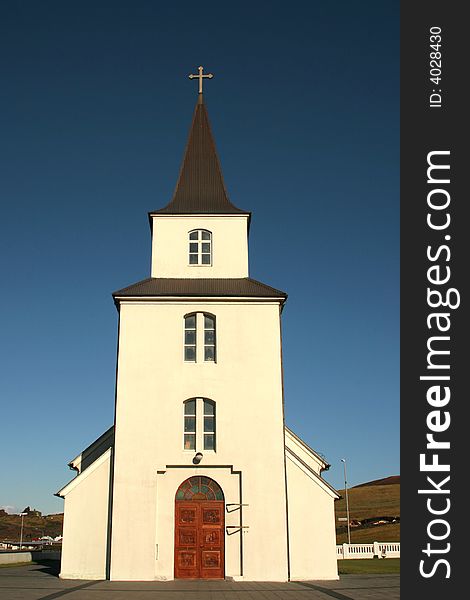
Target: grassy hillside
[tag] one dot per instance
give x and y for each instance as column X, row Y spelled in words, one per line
column 33, row 526
column 367, row 501
column 363, row 535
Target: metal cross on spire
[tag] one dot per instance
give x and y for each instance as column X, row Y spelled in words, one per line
column 201, row 77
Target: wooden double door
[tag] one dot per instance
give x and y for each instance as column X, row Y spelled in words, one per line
column 199, row 539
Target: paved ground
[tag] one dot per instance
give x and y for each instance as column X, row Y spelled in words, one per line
column 40, row 582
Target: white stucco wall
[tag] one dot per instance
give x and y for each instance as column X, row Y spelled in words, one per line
column 170, row 250
column 312, row 536
column 153, row 382
column 86, row 523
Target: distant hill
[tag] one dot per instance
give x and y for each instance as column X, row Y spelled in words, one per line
column 34, row 526
column 370, row 503
column 393, row 479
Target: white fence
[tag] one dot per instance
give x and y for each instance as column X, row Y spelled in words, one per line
column 377, row 549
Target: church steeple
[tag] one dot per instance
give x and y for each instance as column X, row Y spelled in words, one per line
column 200, row 233
column 200, row 188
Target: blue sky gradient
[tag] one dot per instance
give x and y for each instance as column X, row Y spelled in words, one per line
column 95, row 108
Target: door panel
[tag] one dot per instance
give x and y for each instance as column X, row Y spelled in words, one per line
column 199, row 539
column 187, row 537
column 211, row 515
column 211, row 539
column 187, row 514
column 186, row 540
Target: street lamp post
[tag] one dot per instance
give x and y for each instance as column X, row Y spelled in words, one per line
column 343, row 460
column 21, row 534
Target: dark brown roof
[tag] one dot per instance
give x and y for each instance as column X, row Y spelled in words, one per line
column 242, row 287
column 200, row 187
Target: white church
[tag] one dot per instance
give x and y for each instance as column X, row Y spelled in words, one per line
column 199, row 477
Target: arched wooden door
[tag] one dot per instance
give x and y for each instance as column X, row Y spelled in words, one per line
column 199, row 529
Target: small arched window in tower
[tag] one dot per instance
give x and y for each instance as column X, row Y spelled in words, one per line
column 200, row 247
column 209, row 337
column 190, row 338
column 199, row 424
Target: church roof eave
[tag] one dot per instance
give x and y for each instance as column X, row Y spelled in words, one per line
column 68, row 487
column 161, row 287
column 93, row 451
column 152, row 214
column 318, row 457
column 313, row 475
column 201, row 213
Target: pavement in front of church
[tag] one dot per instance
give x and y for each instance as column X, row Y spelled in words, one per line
column 40, row 582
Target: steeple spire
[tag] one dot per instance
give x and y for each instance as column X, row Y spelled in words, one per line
column 200, row 188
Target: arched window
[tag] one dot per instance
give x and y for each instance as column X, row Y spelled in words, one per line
column 199, row 333
column 200, row 247
column 199, row 488
column 190, row 424
column 199, row 424
column 209, row 425
column 209, row 337
column 190, row 338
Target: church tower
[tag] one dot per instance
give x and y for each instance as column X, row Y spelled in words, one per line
column 196, row 471
column 199, row 375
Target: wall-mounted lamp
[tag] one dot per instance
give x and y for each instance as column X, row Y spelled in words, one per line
column 197, row 459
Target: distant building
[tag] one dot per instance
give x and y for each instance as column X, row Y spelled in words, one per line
column 31, row 512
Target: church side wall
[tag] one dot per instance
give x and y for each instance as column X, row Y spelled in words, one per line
column 312, row 533
column 86, row 526
column 150, row 462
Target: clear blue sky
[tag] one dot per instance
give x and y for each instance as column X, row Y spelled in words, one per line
column 95, row 107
